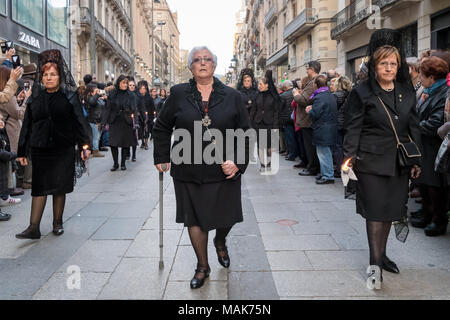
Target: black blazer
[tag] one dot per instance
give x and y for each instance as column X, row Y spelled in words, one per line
column 369, row 136
column 59, row 127
column 182, row 108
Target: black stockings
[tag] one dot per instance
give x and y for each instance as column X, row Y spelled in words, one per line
column 38, row 206
column 377, row 234
column 199, row 240
column 115, row 155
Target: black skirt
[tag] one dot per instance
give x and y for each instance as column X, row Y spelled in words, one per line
column 121, row 134
column 210, row 205
column 53, row 171
column 382, row 198
column 264, row 130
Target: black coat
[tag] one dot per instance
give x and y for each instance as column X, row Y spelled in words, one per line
column 431, row 117
column 115, row 108
column 249, row 97
column 324, row 119
column 59, row 127
column 266, row 110
column 369, row 136
column 341, row 97
column 286, row 108
column 182, row 108
column 94, row 109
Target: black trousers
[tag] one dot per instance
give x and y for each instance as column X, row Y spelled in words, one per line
column 310, row 150
column 435, row 204
column 115, row 155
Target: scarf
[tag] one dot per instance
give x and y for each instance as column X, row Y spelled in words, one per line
column 436, row 85
column 320, row 90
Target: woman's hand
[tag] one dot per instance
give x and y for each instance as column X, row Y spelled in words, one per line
column 415, row 172
column 85, row 154
column 230, row 169
column 162, row 167
column 308, row 109
column 16, row 73
column 23, row 161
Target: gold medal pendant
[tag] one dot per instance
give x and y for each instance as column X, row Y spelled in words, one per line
column 206, row 121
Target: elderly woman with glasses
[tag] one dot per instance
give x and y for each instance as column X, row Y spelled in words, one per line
column 208, row 193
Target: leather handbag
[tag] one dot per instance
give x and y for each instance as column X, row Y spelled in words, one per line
column 442, row 162
column 408, row 152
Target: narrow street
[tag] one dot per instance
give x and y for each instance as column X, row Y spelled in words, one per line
column 298, row 241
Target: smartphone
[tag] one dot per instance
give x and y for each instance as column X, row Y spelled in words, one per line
column 6, row 46
column 15, row 61
column 26, row 86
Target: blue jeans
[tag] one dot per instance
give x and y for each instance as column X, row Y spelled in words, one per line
column 289, row 136
column 326, row 162
column 95, row 136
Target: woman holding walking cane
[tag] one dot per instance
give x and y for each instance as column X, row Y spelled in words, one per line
column 208, row 196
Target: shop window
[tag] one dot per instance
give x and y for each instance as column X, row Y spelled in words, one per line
column 29, row 13
column 57, row 21
column 3, row 7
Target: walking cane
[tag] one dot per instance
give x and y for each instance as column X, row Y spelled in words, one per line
column 161, row 204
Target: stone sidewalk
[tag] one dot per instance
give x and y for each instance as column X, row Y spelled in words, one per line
column 298, row 241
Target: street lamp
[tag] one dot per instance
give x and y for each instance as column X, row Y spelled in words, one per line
column 162, row 23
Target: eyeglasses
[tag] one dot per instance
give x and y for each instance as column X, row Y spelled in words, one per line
column 202, row 60
column 390, row 64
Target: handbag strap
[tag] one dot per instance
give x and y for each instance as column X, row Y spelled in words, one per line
column 392, row 124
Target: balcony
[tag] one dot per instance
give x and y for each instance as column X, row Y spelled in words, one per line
column 270, row 16
column 278, row 56
column 354, row 14
column 85, row 18
column 256, row 7
column 301, row 24
column 307, row 56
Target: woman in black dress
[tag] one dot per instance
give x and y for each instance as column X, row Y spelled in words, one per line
column 382, row 186
column 264, row 116
column 146, row 110
column 52, row 126
column 208, row 196
column 119, row 114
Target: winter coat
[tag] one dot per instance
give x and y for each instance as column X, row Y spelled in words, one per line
column 12, row 116
column 94, row 109
column 266, row 110
column 9, row 91
column 324, row 119
column 303, row 100
column 341, row 96
column 286, row 108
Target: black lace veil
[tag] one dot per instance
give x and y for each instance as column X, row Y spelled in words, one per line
column 246, row 72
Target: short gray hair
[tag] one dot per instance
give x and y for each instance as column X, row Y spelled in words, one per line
column 413, row 61
column 287, row 84
column 200, row 48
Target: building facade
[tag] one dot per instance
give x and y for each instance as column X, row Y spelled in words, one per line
column 101, row 38
column 142, row 40
column 424, row 24
column 34, row 26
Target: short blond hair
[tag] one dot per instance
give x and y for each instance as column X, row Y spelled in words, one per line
column 384, row 52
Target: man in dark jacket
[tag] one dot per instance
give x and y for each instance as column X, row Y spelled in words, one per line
column 95, row 106
column 323, row 114
column 286, row 123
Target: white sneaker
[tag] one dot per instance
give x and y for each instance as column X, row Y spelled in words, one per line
column 10, row 201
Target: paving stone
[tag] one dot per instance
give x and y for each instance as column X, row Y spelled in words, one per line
column 146, row 244
column 242, row 286
column 339, row 260
column 98, row 210
column 323, row 227
column 288, row 260
column 275, row 229
column 57, row 289
column 211, row 290
column 119, row 229
column 247, row 254
column 299, row 242
column 136, row 279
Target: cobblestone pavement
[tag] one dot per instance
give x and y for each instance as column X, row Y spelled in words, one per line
column 298, row 241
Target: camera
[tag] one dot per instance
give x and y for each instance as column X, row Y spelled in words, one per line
column 7, row 45
column 26, row 86
column 102, row 93
column 16, row 61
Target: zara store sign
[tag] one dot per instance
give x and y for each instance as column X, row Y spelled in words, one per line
column 30, row 40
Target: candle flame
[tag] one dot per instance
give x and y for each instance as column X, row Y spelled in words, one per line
column 85, row 147
column 345, row 165
column 132, row 115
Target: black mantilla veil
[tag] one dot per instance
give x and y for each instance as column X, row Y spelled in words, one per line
column 68, row 86
column 393, row 38
column 272, row 88
column 246, row 72
column 387, row 37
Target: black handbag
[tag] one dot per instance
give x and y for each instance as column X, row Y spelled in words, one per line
column 408, row 152
column 442, row 162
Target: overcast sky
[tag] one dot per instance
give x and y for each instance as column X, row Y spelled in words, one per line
column 208, row 22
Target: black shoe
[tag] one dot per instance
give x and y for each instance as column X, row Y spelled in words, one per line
column 146, row 147
column 123, row 167
column 318, row 177
column 115, row 167
column 306, row 173
column 434, row 230
column 418, row 222
column 133, row 159
column 389, row 265
column 197, row 283
column 32, row 232
column 58, row 228
column 300, row 165
column 103, row 149
column 222, row 255
column 324, row 181
column 4, row 216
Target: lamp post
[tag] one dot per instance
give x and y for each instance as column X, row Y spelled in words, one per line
column 161, row 24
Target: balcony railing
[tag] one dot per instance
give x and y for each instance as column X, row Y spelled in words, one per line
column 301, row 23
column 307, row 55
column 354, row 14
column 85, row 18
column 269, row 18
